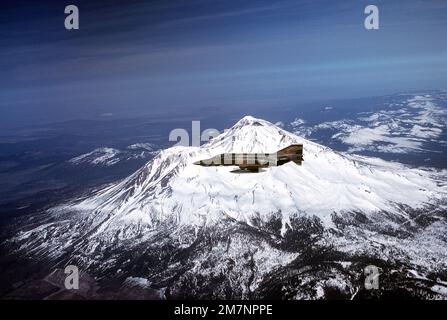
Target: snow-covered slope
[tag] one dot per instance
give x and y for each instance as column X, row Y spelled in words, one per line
column 99, row 156
column 111, row 156
column 171, row 188
column 406, row 124
column 363, row 205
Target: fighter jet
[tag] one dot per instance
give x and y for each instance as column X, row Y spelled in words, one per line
column 254, row 161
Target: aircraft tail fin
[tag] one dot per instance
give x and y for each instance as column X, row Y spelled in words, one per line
column 293, row 153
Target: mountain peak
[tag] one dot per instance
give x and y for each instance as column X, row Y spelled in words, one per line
column 251, row 134
column 251, row 121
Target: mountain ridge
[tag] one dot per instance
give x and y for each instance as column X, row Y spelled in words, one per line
column 323, row 169
column 174, row 219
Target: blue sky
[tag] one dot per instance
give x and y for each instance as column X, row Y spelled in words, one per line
column 158, row 57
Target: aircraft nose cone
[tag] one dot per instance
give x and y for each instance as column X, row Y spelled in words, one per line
column 197, row 162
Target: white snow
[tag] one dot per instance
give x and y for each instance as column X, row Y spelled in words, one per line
column 142, row 145
column 105, row 156
column 298, row 122
column 138, row 281
column 110, row 156
column 171, row 187
column 416, row 121
column 442, row 290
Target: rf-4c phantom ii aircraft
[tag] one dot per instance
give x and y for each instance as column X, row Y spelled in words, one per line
column 254, row 161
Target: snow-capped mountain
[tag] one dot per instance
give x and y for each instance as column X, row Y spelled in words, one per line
column 171, row 188
column 174, row 223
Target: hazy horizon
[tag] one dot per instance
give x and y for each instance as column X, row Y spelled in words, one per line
column 157, row 57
